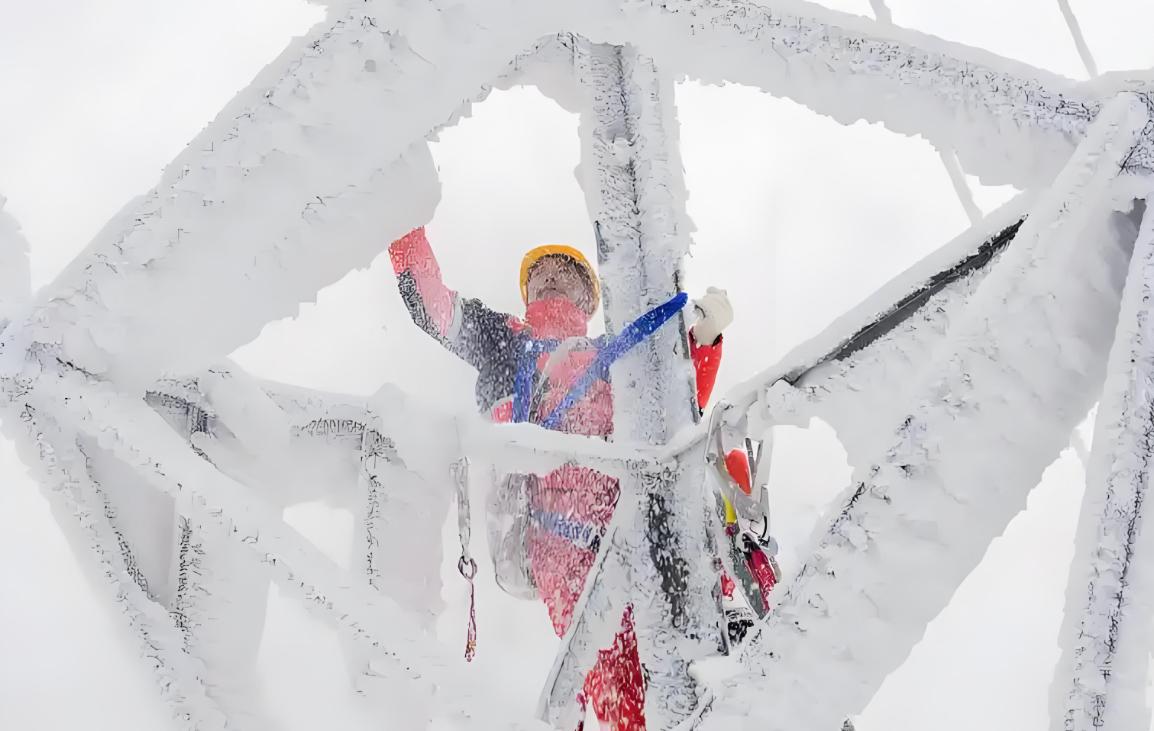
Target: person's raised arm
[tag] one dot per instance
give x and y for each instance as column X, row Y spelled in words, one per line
column 466, row 327
column 431, row 304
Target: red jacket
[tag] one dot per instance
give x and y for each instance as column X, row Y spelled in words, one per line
column 571, row 506
column 493, row 342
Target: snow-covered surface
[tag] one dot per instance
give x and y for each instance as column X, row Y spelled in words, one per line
column 855, row 394
column 423, row 680
column 1008, row 122
column 1013, row 378
column 631, row 174
column 318, row 143
column 81, row 505
column 315, row 139
column 67, row 656
column 810, row 362
column 289, row 300
column 1102, row 678
column 338, row 455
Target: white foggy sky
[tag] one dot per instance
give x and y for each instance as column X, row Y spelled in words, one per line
column 797, row 216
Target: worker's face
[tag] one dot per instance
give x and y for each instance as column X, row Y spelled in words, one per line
column 560, row 276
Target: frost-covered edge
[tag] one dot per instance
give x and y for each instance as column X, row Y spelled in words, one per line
column 1007, row 121
column 81, row 508
column 421, row 668
column 325, row 134
column 842, row 625
column 1101, row 678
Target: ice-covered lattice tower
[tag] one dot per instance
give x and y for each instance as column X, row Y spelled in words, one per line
column 952, row 387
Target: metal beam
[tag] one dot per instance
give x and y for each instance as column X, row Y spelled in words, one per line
column 311, row 170
column 1010, row 381
column 637, row 198
column 81, row 506
column 1100, row 681
column 1010, row 123
column 652, row 556
column 1079, row 39
column 422, row 676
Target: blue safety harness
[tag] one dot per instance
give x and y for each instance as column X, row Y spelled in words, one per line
column 608, row 351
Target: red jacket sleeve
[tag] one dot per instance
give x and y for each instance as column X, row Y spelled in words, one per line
column 431, row 304
column 482, row 337
column 706, row 360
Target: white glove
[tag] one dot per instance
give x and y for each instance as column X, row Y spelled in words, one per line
column 714, row 314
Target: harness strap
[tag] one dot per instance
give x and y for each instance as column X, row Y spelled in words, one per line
column 607, row 354
column 557, row 358
column 523, row 380
column 630, row 336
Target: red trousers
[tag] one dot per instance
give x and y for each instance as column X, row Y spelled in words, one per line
column 571, row 508
column 615, row 685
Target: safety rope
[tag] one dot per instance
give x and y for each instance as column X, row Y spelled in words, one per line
column 466, row 566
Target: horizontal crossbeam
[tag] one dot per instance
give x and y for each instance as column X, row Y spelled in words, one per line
column 1010, row 123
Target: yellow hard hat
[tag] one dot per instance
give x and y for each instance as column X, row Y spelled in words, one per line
column 537, row 254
